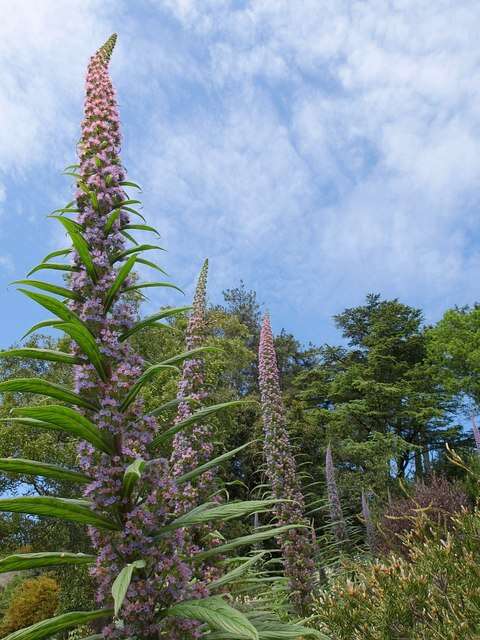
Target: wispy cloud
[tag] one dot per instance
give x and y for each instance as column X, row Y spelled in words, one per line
column 317, row 150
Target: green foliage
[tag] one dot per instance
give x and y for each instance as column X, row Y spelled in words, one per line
column 454, row 348
column 33, row 600
column 434, row 594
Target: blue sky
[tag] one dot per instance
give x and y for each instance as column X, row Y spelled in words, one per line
column 316, row 150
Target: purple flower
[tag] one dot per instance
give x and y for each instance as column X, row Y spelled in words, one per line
column 336, row 514
column 297, row 544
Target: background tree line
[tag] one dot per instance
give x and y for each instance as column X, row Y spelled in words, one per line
column 387, row 399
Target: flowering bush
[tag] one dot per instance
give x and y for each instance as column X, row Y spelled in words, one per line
column 431, row 594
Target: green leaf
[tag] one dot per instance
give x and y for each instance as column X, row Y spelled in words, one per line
column 122, row 275
column 41, row 325
column 148, row 263
column 222, row 512
column 139, row 249
column 55, row 254
column 142, row 227
column 62, row 418
column 128, row 183
column 129, row 236
column 51, row 288
column 166, row 313
column 135, row 212
column 65, row 210
column 236, row 573
column 27, row 561
column 198, row 416
column 142, row 380
column 145, row 285
column 51, row 626
column 123, row 203
column 122, row 582
column 191, row 475
column 111, row 220
column 45, row 388
column 41, row 354
column 276, row 630
column 53, row 305
column 87, row 344
column 34, row 468
column 132, row 475
column 248, row 540
column 189, row 355
column 62, row 508
column 217, row 614
column 171, row 404
column 80, row 245
column 54, row 266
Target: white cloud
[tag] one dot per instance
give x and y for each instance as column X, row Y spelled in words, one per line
column 44, row 47
column 366, row 161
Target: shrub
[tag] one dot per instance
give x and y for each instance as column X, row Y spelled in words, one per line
column 33, row 600
column 433, row 594
column 435, row 502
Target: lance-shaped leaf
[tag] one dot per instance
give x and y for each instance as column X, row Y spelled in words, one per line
column 54, row 266
column 34, row 468
column 236, row 573
column 198, row 416
column 228, row 511
column 129, row 183
column 147, row 285
column 198, row 471
column 142, row 380
column 52, row 626
column 122, row 582
column 51, row 288
column 63, row 508
column 139, row 249
column 135, row 212
column 242, row 541
column 56, row 254
column 80, row 244
column 41, row 325
column 148, row 263
column 218, row 615
column 132, row 475
column 42, row 354
column 53, row 305
column 62, row 418
column 142, row 227
column 171, row 404
column 27, row 561
column 124, row 203
column 166, row 313
column 45, row 388
column 122, row 275
column 111, row 220
column 87, row 344
column 129, row 236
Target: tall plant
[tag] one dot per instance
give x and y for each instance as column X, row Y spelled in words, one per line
column 194, row 447
column 145, row 579
column 336, row 513
column 296, row 544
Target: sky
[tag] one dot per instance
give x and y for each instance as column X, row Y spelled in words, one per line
column 318, row 150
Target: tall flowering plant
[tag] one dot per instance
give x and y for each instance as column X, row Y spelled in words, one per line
column 336, row 514
column 146, row 575
column 194, row 447
column 296, row 544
